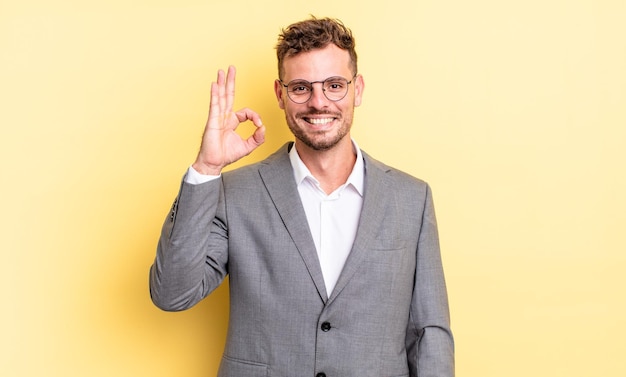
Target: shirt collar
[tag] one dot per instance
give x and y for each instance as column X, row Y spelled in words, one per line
column 356, row 178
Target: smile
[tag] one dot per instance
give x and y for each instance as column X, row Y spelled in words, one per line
column 319, row 120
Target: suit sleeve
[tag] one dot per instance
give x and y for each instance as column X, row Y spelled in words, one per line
column 430, row 345
column 192, row 253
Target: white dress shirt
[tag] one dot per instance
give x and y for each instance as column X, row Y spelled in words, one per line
column 333, row 219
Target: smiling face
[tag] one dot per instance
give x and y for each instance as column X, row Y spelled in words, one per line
column 320, row 123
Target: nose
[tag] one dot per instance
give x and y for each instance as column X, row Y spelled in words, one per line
column 318, row 99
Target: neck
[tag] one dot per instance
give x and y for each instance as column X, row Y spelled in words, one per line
column 330, row 167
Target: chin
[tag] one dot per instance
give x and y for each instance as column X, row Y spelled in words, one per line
column 322, row 143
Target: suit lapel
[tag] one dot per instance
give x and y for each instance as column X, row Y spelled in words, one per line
column 277, row 175
column 376, row 195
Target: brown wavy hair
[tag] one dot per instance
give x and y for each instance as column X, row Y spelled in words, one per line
column 311, row 34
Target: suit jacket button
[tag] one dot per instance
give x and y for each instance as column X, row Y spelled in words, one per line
column 325, row 327
column 320, row 375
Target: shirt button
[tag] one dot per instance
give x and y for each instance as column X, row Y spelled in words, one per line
column 320, row 375
column 325, row 327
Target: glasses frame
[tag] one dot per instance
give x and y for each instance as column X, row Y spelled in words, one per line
column 348, row 82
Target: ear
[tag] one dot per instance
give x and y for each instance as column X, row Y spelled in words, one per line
column 278, row 90
column 359, row 85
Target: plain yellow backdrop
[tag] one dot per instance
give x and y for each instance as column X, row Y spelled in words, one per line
column 514, row 112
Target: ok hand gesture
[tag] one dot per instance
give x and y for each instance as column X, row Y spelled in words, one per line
column 221, row 145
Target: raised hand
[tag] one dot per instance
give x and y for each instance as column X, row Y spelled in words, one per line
column 221, row 145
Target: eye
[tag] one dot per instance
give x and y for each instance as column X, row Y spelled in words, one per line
column 299, row 88
column 335, row 84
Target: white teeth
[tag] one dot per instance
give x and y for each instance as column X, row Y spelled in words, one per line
column 320, row 121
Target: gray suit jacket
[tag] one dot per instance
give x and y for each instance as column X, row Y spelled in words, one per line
column 388, row 314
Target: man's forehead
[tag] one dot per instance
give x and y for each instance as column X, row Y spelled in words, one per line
column 312, row 65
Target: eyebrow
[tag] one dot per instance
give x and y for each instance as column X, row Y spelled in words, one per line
column 329, row 77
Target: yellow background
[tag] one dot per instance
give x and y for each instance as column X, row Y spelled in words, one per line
column 514, row 112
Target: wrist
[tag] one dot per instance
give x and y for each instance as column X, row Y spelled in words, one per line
column 205, row 169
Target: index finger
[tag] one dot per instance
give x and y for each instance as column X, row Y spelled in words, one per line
column 249, row 114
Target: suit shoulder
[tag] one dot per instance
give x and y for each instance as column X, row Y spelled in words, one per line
column 398, row 177
column 242, row 176
column 248, row 173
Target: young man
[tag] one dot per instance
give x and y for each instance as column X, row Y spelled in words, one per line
column 333, row 258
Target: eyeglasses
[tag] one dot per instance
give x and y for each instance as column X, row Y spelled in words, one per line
column 334, row 88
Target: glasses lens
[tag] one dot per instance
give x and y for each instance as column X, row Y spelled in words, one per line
column 335, row 88
column 299, row 91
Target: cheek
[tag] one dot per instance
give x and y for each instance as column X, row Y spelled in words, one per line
column 290, row 109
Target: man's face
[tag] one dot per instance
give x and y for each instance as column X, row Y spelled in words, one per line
column 319, row 123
